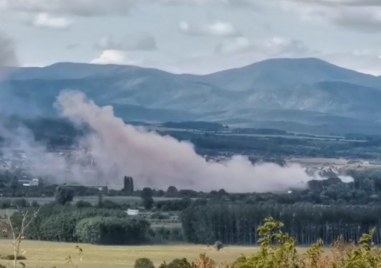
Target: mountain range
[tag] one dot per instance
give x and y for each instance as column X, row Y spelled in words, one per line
column 303, row 95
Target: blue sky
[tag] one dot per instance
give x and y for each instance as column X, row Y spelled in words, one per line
column 191, row 36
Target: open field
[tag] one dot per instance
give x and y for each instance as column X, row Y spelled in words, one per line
column 51, row 254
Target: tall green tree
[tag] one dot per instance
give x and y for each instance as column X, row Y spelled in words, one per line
column 63, row 195
column 147, row 199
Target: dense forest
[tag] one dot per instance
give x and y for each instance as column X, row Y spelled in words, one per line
column 237, row 223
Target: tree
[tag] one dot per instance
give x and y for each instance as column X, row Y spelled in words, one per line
column 172, row 190
column 18, row 224
column 63, row 195
column 111, row 230
column 147, row 199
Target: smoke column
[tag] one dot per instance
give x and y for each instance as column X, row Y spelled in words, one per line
column 160, row 161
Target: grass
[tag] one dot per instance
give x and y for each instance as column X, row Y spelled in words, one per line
column 50, row 254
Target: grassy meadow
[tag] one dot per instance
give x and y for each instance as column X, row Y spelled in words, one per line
column 52, row 254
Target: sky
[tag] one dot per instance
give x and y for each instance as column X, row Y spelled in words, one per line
column 190, row 36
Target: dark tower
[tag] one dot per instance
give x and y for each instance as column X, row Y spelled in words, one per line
column 128, row 186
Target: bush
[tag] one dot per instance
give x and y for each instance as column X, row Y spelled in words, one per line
column 6, row 203
column 144, row 263
column 59, row 227
column 218, row 245
column 177, row 263
column 83, row 204
column 108, row 204
column 20, row 203
column 12, row 257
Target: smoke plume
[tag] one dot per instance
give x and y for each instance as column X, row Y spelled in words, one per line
column 7, row 54
column 118, row 149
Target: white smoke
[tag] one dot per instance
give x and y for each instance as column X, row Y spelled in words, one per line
column 119, row 149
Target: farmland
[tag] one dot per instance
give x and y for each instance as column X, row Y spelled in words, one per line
column 52, row 254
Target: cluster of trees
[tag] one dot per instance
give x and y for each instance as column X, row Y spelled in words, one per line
column 237, row 223
column 55, row 222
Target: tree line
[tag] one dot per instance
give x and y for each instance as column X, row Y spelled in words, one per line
column 237, row 223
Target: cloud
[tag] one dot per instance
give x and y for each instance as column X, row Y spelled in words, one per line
column 114, row 57
column 71, row 7
column 366, row 61
column 234, row 45
column 361, row 15
column 110, row 57
column 45, row 20
column 230, row 3
column 271, row 47
column 344, row 2
column 72, row 46
column 89, row 8
column 217, row 28
column 129, row 43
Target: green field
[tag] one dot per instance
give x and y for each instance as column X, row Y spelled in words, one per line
column 51, row 254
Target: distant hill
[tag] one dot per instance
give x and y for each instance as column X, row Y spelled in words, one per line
column 308, row 95
column 195, row 125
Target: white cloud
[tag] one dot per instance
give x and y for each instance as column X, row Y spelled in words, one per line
column 271, row 47
column 70, row 7
column 362, row 15
column 110, row 57
column 366, row 61
column 232, row 3
column 101, row 7
column 129, row 43
column 115, row 57
column 217, row 28
column 234, row 45
column 47, row 21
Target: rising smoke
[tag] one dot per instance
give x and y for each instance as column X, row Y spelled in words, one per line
column 120, row 149
column 7, row 53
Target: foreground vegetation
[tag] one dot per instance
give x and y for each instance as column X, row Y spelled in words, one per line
column 276, row 249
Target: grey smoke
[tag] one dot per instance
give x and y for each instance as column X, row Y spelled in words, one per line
column 8, row 58
column 119, row 149
column 7, row 52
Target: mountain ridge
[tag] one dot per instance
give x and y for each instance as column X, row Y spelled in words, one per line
column 305, row 91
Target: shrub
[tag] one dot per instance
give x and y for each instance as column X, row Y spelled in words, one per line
column 144, row 263
column 218, row 245
column 12, row 257
column 20, row 203
column 83, row 204
column 277, row 249
column 108, row 204
column 6, row 203
column 177, row 263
